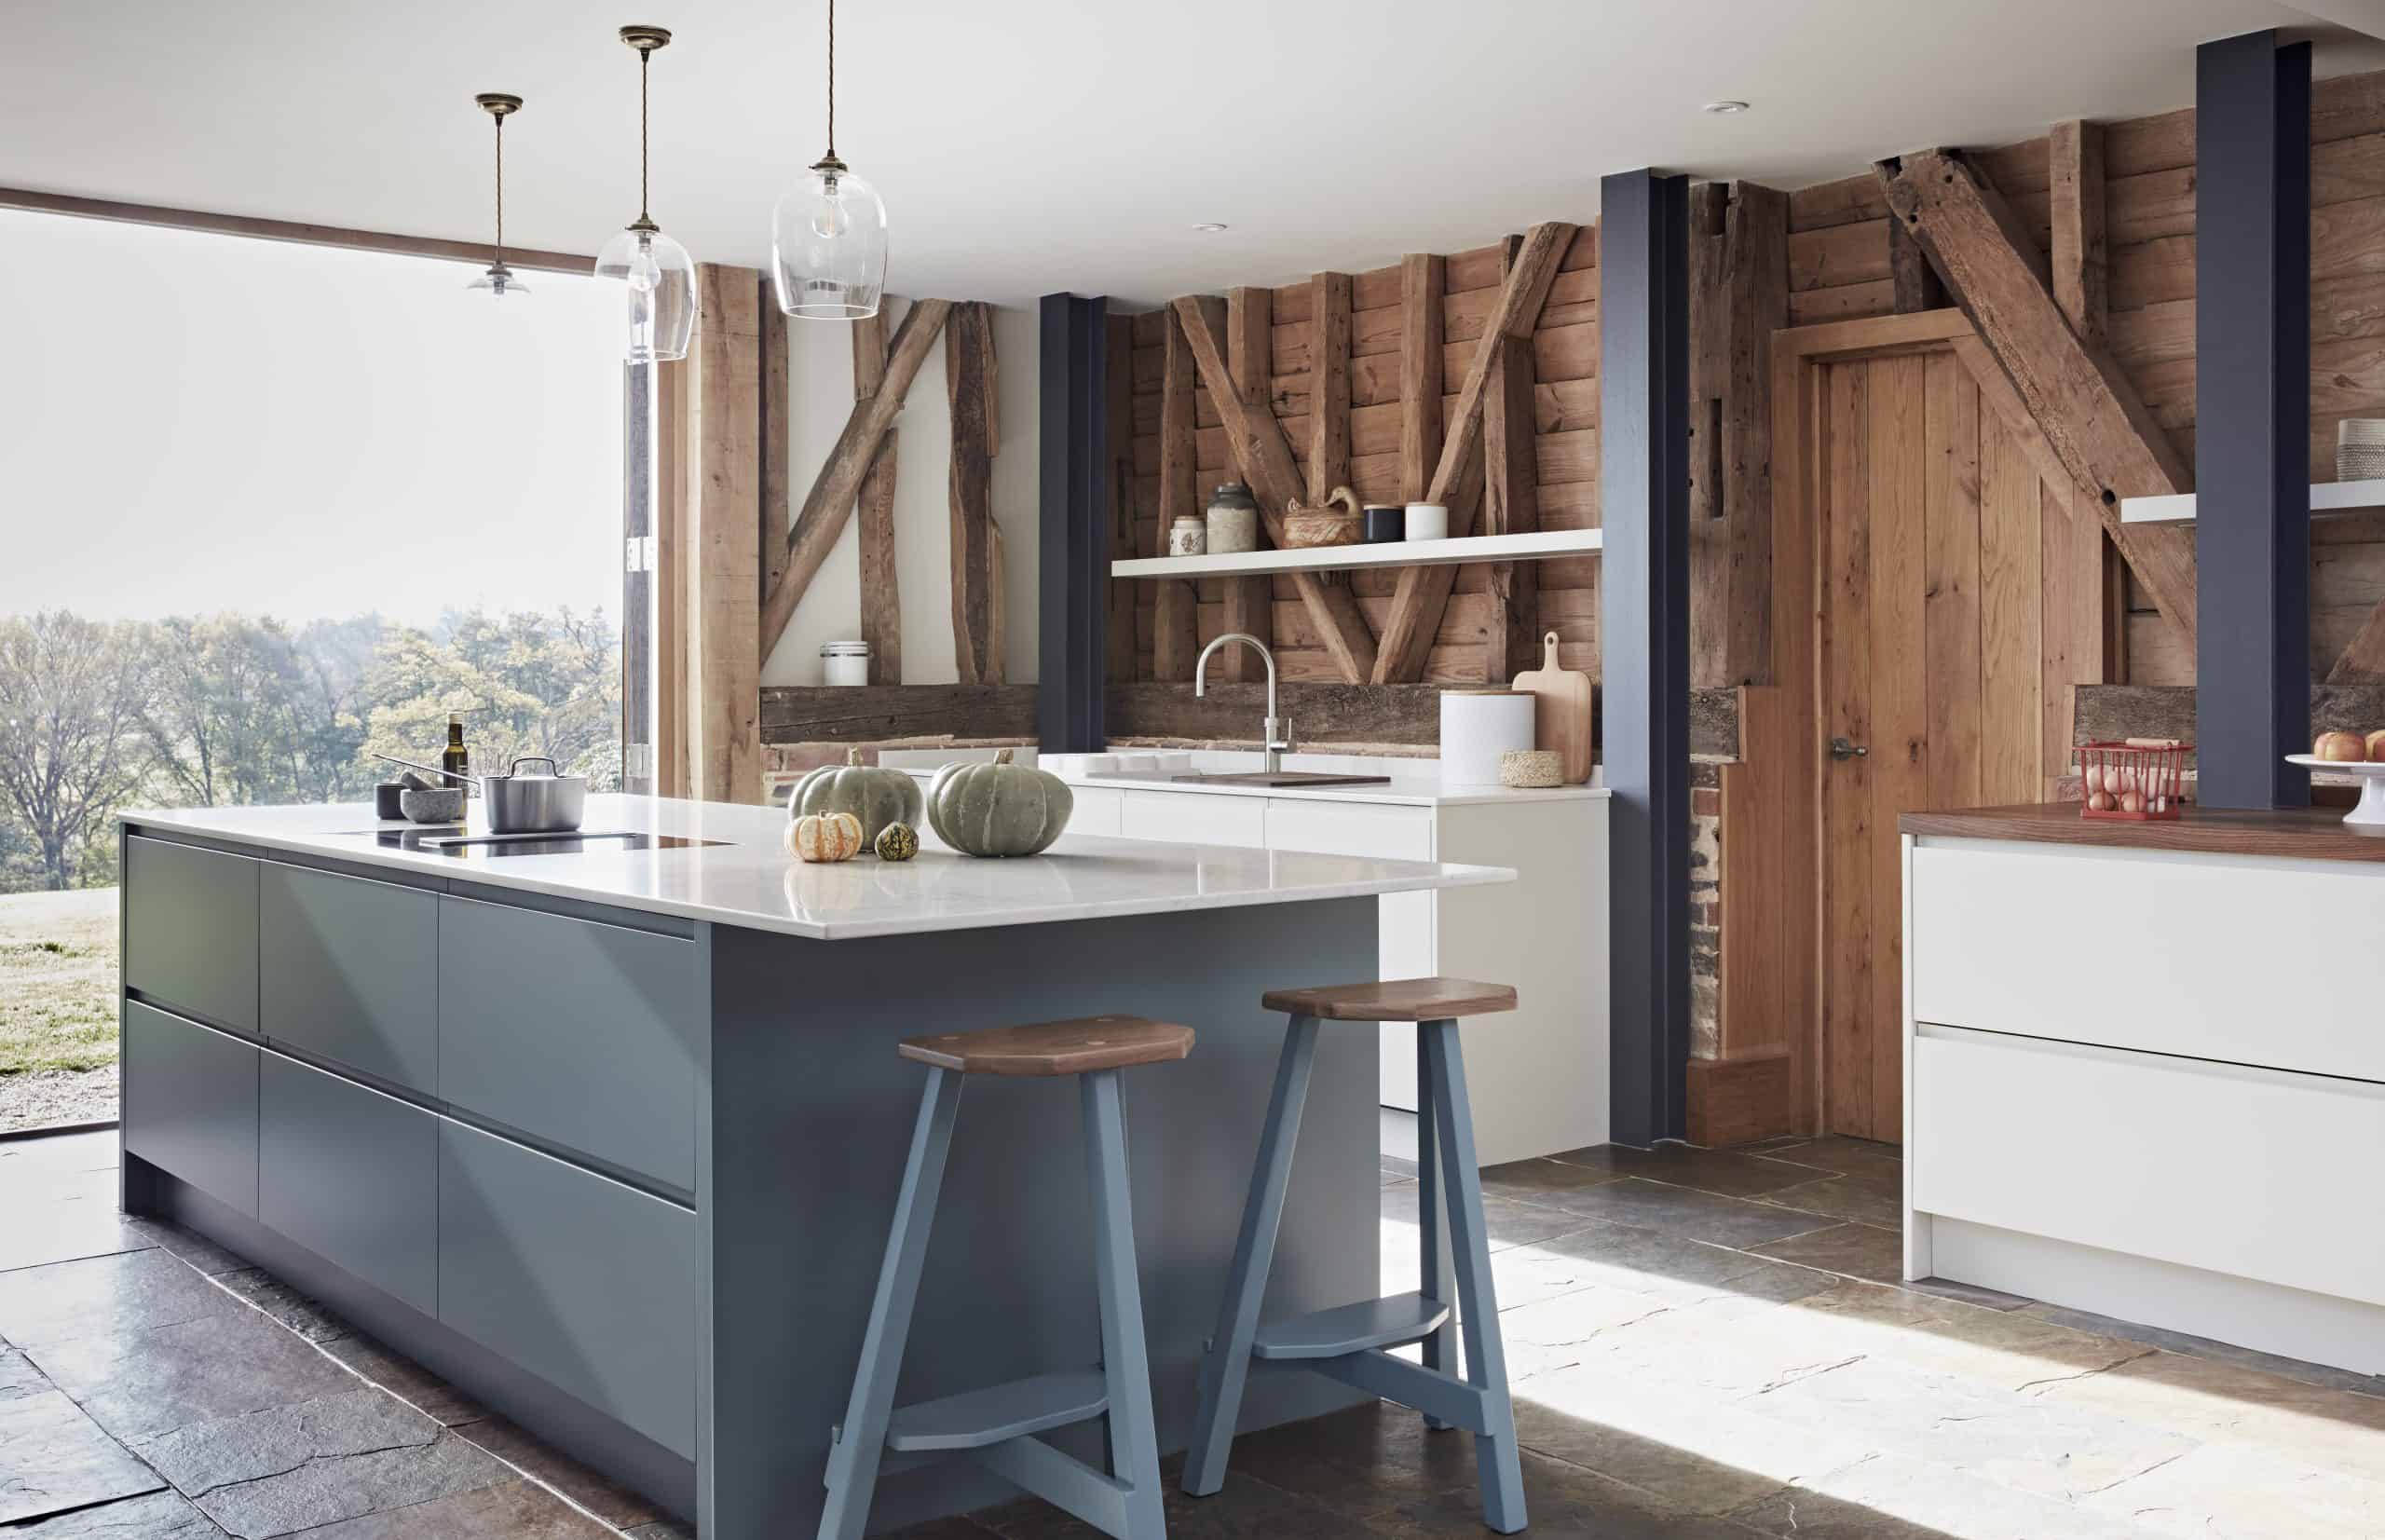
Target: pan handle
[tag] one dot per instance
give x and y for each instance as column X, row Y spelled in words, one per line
column 515, row 768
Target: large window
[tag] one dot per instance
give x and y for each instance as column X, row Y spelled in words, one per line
column 270, row 508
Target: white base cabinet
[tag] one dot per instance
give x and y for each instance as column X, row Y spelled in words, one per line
column 1537, row 1077
column 2134, row 1088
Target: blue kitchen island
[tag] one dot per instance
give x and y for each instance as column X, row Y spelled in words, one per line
column 609, row 1135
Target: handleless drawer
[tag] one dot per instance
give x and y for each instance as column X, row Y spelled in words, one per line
column 1098, row 809
column 585, row 1283
column 1349, row 828
column 1194, row 818
column 350, row 972
column 352, row 1176
column 570, row 1030
column 190, row 1103
column 190, row 924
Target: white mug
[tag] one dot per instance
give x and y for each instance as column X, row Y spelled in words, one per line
column 1427, row 522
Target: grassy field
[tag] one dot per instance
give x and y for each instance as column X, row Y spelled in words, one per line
column 57, row 1007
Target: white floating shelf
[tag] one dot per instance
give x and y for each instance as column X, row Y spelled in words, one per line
column 2325, row 497
column 1537, row 546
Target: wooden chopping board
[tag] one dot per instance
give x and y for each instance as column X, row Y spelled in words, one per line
column 1561, row 715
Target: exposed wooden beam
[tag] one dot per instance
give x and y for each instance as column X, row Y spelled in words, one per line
column 1424, row 592
column 1423, row 279
column 969, row 383
column 1510, row 498
column 1175, row 637
column 1249, row 602
column 723, row 557
column 1328, row 386
column 2074, row 390
column 1913, row 285
column 882, row 593
column 898, row 713
column 830, row 501
column 1265, row 456
column 1755, row 285
column 2075, row 157
column 776, row 425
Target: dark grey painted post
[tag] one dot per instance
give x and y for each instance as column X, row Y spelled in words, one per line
column 2253, row 420
column 1644, row 640
column 1072, row 586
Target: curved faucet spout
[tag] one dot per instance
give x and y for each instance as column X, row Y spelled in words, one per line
column 1277, row 739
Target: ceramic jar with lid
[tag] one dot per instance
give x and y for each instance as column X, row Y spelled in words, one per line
column 1189, row 536
column 844, row 663
column 1234, row 520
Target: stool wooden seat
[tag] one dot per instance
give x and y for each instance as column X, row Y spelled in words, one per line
column 1353, row 1344
column 1394, row 1000
column 1055, row 1048
column 997, row 1425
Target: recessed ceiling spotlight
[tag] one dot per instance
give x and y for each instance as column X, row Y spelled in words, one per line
column 1209, row 227
column 1727, row 109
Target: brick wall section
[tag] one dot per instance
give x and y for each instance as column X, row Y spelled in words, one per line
column 1705, row 913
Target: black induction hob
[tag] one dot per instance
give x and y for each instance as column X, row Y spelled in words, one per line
column 466, row 844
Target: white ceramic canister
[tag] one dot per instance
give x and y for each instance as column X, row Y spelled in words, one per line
column 1477, row 726
column 1189, row 536
column 844, row 662
column 1233, row 521
column 1428, row 521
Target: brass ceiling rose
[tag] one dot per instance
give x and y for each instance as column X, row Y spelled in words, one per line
column 498, row 103
column 646, row 39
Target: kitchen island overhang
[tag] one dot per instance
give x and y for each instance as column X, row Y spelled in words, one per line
column 611, row 1140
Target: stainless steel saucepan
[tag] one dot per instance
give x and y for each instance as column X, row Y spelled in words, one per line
column 516, row 803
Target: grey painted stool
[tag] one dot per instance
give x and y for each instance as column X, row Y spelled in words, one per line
column 997, row 1425
column 1350, row 1342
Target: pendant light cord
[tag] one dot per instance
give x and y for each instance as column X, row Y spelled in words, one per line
column 832, row 79
column 498, row 259
column 645, row 57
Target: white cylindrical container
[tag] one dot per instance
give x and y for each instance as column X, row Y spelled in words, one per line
column 1427, row 522
column 844, row 662
column 1477, row 726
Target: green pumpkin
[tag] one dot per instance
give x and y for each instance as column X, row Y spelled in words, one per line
column 981, row 807
column 876, row 797
column 897, row 842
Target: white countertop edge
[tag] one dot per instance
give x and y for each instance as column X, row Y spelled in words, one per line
column 1401, row 791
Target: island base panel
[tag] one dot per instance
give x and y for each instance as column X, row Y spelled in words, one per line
column 803, row 1148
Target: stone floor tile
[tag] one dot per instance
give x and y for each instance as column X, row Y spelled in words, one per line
column 2218, row 1403
column 315, row 1494
column 142, row 1383
column 1884, row 1497
column 1509, row 1223
column 1648, row 1261
column 310, row 1319
column 1682, row 1211
column 162, row 1515
column 1364, row 1463
column 105, row 1296
column 1539, row 1182
column 199, row 1457
column 934, row 1529
column 191, row 1246
column 52, row 1458
column 1397, row 1168
column 1947, row 1288
column 1562, row 1499
column 1857, row 1250
column 92, row 1152
column 1728, row 1172
column 2219, row 1490
column 2205, row 1347
column 1845, row 1155
column 66, row 1231
column 672, row 1529
column 25, row 1188
column 408, row 1381
column 1549, row 1335
column 527, row 1452
column 508, row 1510
column 1869, row 1200
column 18, row 1378
column 2007, row 1349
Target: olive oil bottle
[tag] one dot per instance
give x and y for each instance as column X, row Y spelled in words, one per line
column 456, row 758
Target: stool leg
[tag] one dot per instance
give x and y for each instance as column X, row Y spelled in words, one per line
column 1437, row 1276
column 853, row 1464
column 1133, row 1438
column 1227, row 1364
column 1497, row 1464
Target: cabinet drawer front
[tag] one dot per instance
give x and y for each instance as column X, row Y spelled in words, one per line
column 2218, row 957
column 190, row 1104
column 352, row 1176
column 1097, row 810
column 2206, row 1165
column 1191, row 818
column 350, row 972
column 585, row 1283
column 586, row 1034
column 190, row 930
column 1349, row 828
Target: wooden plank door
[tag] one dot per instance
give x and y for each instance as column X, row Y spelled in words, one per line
column 1947, row 640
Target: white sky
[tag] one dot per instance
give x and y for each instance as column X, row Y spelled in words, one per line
column 194, row 423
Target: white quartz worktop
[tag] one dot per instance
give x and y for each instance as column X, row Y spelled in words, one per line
column 750, row 880
column 1413, row 782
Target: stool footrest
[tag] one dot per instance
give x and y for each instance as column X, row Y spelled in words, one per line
column 978, row 1418
column 1440, row 1397
column 1394, row 1321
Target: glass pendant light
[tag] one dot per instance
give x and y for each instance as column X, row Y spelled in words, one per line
column 828, row 237
column 659, row 275
column 500, row 280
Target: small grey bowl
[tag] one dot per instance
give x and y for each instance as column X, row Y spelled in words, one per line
column 438, row 805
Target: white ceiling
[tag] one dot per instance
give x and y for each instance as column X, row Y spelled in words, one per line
column 1035, row 145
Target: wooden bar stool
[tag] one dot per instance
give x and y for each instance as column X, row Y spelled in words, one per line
column 997, row 1425
column 1350, row 1342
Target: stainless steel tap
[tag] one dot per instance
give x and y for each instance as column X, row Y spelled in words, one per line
column 1276, row 740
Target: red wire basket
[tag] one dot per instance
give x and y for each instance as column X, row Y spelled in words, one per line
column 2139, row 781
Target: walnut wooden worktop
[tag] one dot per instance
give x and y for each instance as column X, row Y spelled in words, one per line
column 2311, row 834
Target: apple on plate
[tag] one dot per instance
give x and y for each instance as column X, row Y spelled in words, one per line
column 2377, row 744
column 2347, row 748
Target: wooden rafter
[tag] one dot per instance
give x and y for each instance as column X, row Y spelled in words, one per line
column 830, row 501
column 1423, row 279
column 1249, row 602
column 970, row 381
column 1424, row 592
column 2072, row 387
column 1510, row 498
column 882, row 594
column 1175, row 636
column 1265, row 458
column 2075, row 173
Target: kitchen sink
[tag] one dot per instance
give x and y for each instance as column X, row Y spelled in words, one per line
column 1283, row 778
